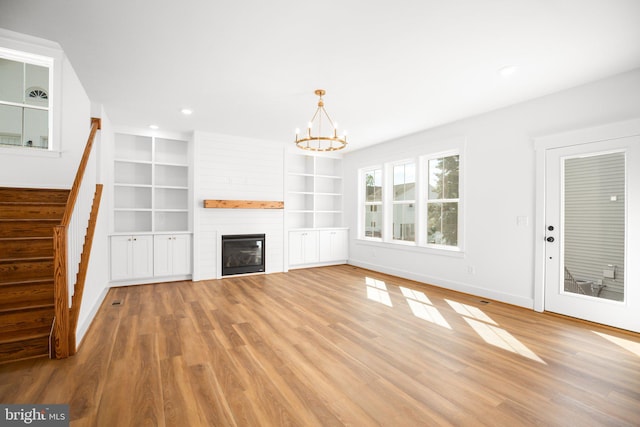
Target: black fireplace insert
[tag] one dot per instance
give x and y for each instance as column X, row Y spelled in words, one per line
column 242, row 253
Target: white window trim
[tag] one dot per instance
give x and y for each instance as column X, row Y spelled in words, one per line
column 54, row 64
column 424, row 165
column 422, row 183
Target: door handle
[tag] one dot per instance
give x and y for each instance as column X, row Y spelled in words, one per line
column 550, row 239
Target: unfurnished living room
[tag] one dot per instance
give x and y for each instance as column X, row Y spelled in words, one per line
column 355, row 213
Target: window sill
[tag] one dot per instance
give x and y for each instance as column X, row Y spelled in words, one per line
column 404, row 246
column 30, row 152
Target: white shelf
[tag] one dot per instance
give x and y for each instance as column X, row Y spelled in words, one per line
column 314, row 191
column 151, row 185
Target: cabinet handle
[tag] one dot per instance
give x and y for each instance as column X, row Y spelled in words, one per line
column 134, row 239
column 129, row 239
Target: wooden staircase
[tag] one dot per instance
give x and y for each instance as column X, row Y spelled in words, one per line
column 27, row 218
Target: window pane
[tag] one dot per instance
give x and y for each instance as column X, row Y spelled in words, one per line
column 443, row 178
column 435, row 179
column 404, row 182
column 404, row 222
column 37, row 85
column 373, row 221
column 36, row 126
column 450, row 176
column 373, row 185
column 442, row 224
column 11, row 81
column 10, row 125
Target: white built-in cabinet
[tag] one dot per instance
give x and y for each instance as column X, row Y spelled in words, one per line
column 314, row 208
column 131, row 257
column 171, row 254
column 150, row 204
column 333, row 245
column 303, row 247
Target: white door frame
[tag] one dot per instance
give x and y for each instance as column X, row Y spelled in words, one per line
column 541, row 145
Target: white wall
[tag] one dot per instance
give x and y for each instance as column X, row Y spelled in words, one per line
column 233, row 168
column 71, row 120
column 499, row 187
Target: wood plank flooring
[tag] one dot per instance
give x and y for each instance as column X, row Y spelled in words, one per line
column 333, row 346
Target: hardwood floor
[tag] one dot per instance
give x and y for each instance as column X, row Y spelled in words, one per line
column 330, row 347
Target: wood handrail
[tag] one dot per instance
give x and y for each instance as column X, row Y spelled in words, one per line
column 60, row 336
column 96, row 124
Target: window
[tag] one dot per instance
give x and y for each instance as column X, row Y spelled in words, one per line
column 443, row 198
column 414, row 202
column 373, row 203
column 404, row 195
column 24, row 99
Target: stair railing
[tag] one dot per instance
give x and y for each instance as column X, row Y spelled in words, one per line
column 68, row 241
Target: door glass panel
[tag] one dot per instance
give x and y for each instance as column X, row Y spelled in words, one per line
column 594, row 225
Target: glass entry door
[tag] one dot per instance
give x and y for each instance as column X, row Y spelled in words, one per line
column 591, row 194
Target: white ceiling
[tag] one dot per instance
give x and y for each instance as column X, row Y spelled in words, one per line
column 390, row 68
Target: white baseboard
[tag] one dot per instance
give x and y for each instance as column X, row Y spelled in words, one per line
column 448, row 284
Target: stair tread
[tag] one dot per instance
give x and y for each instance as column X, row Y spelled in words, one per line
column 26, row 308
column 27, row 282
column 24, row 334
column 30, row 259
column 24, row 239
column 29, row 220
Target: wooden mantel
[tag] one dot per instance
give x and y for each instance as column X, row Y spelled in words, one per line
column 243, row 204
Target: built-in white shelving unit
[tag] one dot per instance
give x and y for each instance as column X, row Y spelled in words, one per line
column 314, row 191
column 314, row 204
column 151, row 212
column 151, row 185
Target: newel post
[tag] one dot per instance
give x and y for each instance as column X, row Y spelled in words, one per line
column 60, row 334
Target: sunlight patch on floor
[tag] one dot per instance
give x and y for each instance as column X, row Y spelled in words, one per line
column 422, row 308
column 377, row 291
column 416, row 295
column 427, row 312
column 632, row 346
column 500, row 338
column 470, row 311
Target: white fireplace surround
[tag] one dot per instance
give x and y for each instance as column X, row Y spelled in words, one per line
column 232, row 168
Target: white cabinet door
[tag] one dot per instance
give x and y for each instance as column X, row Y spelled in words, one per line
column 162, row 248
column 181, row 254
column 142, row 257
column 171, row 255
column 120, row 257
column 303, row 247
column 333, row 245
column 131, row 257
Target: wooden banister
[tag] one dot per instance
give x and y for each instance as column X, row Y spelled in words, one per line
column 73, row 195
column 76, row 300
column 61, row 328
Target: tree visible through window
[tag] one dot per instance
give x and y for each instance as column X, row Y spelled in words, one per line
column 443, row 200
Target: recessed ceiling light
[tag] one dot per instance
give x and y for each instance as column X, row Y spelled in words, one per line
column 507, row 71
column 186, row 111
column 154, row 127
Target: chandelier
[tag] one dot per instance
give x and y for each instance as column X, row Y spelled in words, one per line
column 319, row 142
